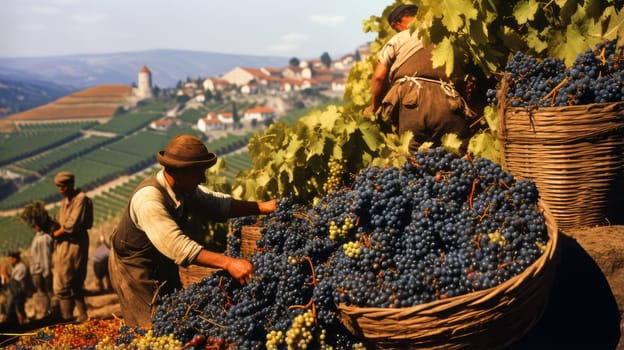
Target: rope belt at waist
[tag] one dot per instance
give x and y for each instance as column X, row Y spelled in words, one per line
column 447, row 87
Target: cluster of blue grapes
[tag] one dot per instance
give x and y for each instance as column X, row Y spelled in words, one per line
column 282, row 287
column 441, row 227
column 438, row 227
column 594, row 77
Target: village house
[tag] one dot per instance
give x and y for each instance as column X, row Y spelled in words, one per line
column 339, row 85
column 162, row 124
column 215, row 84
column 309, row 74
column 209, row 123
column 226, row 119
column 259, row 114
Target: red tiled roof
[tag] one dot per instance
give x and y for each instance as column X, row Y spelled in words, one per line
column 211, row 120
column 260, row 109
column 162, row 122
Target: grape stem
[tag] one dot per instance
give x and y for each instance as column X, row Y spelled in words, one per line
column 487, row 208
column 314, row 282
column 211, row 322
column 228, row 300
column 472, row 192
column 188, row 309
column 553, row 93
column 309, row 306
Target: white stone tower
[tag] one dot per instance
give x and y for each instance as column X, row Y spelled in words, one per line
column 144, row 88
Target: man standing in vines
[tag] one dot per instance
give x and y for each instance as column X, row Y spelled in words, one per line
column 153, row 238
column 414, row 95
column 71, row 248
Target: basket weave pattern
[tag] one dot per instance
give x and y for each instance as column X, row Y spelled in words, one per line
column 249, row 236
column 488, row 319
column 194, row 273
column 574, row 154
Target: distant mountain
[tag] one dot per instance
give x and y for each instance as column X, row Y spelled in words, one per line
column 20, row 93
column 167, row 66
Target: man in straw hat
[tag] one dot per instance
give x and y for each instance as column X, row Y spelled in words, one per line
column 150, row 241
column 71, row 247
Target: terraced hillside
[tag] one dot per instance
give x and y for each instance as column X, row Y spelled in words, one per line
column 94, row 103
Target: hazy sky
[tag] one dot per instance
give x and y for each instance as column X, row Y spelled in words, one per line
column 290, row 28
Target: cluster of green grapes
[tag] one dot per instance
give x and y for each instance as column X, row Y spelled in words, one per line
column 352, row 249
column 336, row 171
column 274, row 339
column 148, row 341
column 299, row 336
column 336, row 232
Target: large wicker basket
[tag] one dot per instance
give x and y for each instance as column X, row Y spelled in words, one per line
column 488, row 319
column 574, row 154
column 194, row 273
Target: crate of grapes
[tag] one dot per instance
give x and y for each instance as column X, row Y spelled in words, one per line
column 487, row 319
column 563, row 128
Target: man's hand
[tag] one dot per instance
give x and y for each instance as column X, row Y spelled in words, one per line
column 369, row 112
column 240, row 269
column 268, row 206
column 58, row 232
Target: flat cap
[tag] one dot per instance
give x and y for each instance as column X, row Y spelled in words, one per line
column 63, row 178
column 400, row 11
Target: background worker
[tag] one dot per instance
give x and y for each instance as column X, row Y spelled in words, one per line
column 150, row 241
column 100, row 265
column 18, row 286
column 414, row 95
column 71, row 248
column 41, row 250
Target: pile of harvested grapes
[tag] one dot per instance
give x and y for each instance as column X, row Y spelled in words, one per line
column 439, row 226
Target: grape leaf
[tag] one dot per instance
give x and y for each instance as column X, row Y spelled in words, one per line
column 570, row 46
column 370, row 134
column 451, row 143
column 452, row 12
column 525, row 11
column 534, row 40
column 485, row 145
column 491, row 117
column 444, row 53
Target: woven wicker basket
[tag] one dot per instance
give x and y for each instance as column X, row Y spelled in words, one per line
column 194, row 273
column 249, row 236
column 574, row 154
column 488, row 319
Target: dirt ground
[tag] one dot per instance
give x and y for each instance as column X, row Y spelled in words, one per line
column 584, row 312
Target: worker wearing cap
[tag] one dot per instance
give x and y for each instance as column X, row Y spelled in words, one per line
column 150, row 240
column 18, row 284
column 406, row 88
column 71, row 247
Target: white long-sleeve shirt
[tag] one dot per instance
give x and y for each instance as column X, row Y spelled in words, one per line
column 148, row 213
column 41, row 254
